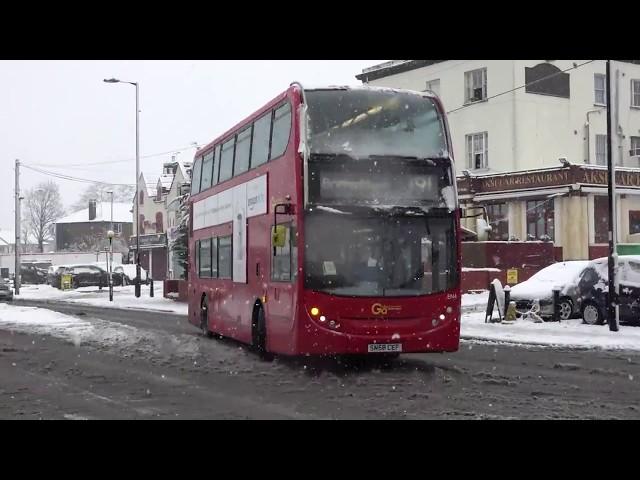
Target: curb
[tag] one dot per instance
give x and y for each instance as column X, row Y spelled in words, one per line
column 36, row 303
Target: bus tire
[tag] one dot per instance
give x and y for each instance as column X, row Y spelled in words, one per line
column 204, row 318
column 259, row 333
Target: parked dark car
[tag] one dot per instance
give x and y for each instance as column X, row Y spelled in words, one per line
column 593, row 289
column 30, row 273
column 5, row 290
column 87, row 276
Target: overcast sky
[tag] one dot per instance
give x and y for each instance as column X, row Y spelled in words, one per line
column 62, row 113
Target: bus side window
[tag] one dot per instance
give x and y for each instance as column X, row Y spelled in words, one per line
column 205, row 258
column 281, row 130
column 216, row 165
column 197, row 258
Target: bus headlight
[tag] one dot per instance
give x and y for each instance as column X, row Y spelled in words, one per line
column 314, row 311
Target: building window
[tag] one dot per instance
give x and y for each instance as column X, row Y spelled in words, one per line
column 281, row 130
column 477, row 150
column 601, row 149
column 634, row 221
column 159, row 223
column 141, row 197
column 601, row 218
column 475, row 83
column 224, row 257
column 498, row 214
column 635, row 93
column 141, row 224
column 433, row 86
column 635, row 147
column 117, row 228
column 540, row 222
column 600, row 89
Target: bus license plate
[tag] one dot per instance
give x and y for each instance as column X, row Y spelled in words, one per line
column 385, row 347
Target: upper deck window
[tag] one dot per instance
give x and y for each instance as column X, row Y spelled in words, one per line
column 362, row 123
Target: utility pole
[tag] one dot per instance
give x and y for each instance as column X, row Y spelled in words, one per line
column 16, row 249
column 612, row 297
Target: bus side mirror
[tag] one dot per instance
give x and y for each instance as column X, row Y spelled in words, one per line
column 278, row 236
column 483, row 229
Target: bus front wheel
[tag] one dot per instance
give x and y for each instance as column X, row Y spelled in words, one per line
column 204, row 318
column 259, row 333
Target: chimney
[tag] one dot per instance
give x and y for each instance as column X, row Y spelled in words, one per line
column 92, row 210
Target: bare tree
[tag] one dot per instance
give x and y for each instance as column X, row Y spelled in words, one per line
column 44, row 208
column 98, row 191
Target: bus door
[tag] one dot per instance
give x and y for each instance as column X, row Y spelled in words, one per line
column 281, row 292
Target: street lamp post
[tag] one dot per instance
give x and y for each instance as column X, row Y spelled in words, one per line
column 110, row 234
column 110, row 262
column 612, row 296
column 137, row 200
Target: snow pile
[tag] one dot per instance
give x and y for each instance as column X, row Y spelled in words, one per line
column 568, row 334
column 101, row 332
column 475, row 301
column 32, row 319
column 123, row 297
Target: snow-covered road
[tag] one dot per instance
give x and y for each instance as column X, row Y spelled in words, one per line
column 93, row 362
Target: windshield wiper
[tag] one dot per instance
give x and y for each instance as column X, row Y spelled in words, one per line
column 434, row 160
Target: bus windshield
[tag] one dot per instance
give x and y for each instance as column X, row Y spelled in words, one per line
column 365, row 122
column 373, row 255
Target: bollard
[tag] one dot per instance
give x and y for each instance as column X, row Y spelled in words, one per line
column 556, row 304
column 507, row 299
column 151, row 287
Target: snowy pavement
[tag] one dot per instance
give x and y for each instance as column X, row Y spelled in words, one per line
column 569, row 334
column 123, row 297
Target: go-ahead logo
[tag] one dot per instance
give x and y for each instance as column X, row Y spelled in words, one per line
column 380, row 309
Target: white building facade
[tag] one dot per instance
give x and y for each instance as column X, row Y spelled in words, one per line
column 157, row 218
column 512, row 116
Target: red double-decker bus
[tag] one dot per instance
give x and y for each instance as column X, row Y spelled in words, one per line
column 327, row 223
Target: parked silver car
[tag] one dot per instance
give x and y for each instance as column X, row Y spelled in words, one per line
column 540, row 287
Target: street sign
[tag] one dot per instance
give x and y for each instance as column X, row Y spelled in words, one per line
column 512, row 276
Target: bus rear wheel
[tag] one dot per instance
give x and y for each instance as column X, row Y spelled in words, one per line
column 204, row 318
column 259, row 334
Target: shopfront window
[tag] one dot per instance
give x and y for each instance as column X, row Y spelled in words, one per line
column 540, row 222
column 601, row 218
column 499, row 221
